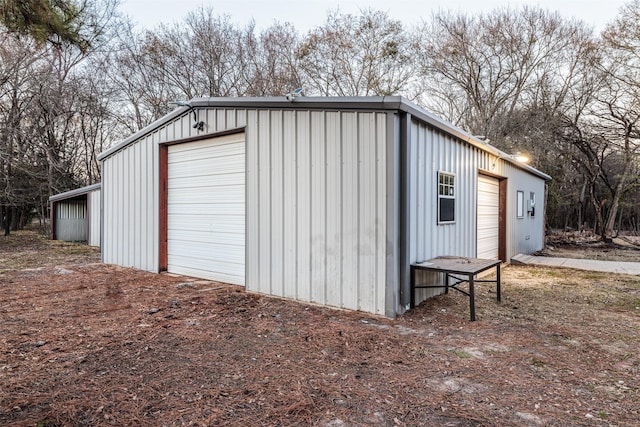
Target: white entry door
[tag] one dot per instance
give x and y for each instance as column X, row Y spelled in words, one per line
column 206, row 209
column 488, row 224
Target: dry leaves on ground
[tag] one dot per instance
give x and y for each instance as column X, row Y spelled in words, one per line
column 82, row 343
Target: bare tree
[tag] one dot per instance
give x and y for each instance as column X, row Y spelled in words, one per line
column 352, row 55
column 618, row 106
column 480, row 70
column 271, row 66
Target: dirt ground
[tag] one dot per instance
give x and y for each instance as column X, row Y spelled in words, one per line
column 87, row 344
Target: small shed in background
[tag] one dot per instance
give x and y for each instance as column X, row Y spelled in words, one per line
column 325, row 200
column 75, row 215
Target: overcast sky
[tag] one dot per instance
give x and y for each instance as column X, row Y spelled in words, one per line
column 306, row 14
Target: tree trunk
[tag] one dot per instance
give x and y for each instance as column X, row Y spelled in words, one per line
column 6, row 220
column 609, row 227
column 14, row 218
column 598, row 228
column 581, row 206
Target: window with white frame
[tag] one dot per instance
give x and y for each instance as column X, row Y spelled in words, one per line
column 520, row 204
column 446, row 198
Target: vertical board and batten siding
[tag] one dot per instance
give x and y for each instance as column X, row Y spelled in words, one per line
column 323, row 201
column 130, row 201
column 316, row 206
column 71, row 220
column 93, row 203
column 432, row 151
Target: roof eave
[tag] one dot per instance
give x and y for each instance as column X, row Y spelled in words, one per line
column 379, row 103
column 75, row 192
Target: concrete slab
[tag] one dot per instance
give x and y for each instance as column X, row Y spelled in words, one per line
column 580, row 264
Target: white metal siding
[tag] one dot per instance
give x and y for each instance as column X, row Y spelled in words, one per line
column 524, row 235
column 130, row 187
column 488, row 224
column 93, row 204
column 317, row 213
column 432, row 150
column 316, row 207
column 315, row 202
column 206, row 209
column 71, row 220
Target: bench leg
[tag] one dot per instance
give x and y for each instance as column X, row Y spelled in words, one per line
column 472, row 298
column 412, row 288
column 498, row 281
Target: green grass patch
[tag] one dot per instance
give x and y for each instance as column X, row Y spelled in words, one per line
column 462, row 354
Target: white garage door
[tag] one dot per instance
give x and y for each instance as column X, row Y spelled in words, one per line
column 488, row 223
column 206, row 209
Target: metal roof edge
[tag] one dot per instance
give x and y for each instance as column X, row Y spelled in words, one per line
column 383, row 103
column 76, row 192
column 315, row 102
column 142, row 132
column 453, row 130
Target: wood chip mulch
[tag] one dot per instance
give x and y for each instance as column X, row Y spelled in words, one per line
column 88, row 344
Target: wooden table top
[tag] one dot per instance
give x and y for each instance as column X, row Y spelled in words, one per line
column 455, row 264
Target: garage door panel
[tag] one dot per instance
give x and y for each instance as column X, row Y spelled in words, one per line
column 221, row 236
column 206, row 209
column 218, row 180
column 221, row 209
column 203, row 224
column 206, row 144
column 211, row 253
column 218, row 153
column 207, row 167
column 208, row 195
column 224, row 274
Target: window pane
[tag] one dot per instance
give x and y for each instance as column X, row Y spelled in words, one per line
column 447, row 210
column 520, row 204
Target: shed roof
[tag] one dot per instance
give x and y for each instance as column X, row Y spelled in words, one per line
column 75, row 193
column 368, row 103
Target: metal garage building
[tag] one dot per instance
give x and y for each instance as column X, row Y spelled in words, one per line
column 326, row 200
column 75, row 215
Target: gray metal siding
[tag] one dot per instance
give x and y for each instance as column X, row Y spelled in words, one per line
column 316, row 207
column 524, row 235
column 93, row 203
column 316, row 202
column 71, row 220
column 432, row 151
column 323, row 199
column 130, row 213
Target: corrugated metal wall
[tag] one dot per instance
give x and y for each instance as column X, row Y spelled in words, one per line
column 432, row 151
column 71, row 220
column 316, row 202
column 524, row 235
column 316, row 207
column 319, row 208
column 130, row 188
column 130, row 199
column 93, row 203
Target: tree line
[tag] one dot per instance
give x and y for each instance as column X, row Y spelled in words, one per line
column 527, row 80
